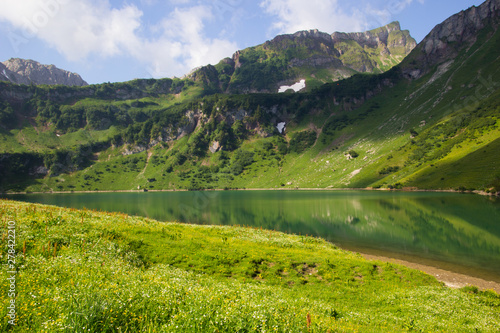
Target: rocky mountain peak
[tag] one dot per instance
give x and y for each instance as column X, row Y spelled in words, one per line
column 462, row 26
column 373, row 38
column 389, row 35
column 310, row 55
column 460, row 30
column 315, row 33
column 22, row 71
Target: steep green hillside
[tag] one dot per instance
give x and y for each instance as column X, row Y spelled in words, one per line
column 102, row 272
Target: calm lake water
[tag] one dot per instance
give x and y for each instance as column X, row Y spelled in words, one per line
column 451, row 231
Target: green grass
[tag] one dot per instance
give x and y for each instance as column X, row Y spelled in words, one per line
column 101, row 272
column 467, row 170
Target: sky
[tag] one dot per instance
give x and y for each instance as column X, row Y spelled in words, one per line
column 120, row 40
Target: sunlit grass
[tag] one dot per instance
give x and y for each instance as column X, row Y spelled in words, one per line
column 101, row 272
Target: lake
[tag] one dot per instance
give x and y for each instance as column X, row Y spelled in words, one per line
column 456, row 232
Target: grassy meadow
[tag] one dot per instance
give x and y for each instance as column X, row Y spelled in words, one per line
column 88, row 271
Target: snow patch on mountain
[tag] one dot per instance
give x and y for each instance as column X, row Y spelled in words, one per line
column 281, row 127
column 5, row 74
column 296, row 87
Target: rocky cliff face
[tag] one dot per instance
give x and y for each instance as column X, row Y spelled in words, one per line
column 5, row 73
column 389, row 37
column 22, row 71
column 446, row 40
column 361, row 52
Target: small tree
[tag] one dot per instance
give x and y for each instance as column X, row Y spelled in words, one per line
column 257, row 117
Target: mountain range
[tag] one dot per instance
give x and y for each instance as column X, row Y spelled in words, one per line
column 21, row 71
column 375, row 111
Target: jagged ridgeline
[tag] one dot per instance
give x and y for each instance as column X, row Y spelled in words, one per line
column 21, row 71
column 313, row 56
column 429, row 122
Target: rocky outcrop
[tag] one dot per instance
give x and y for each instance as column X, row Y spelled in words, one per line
column 189, row 123
column 460, row 28
column 5, row 74
column 459, row 31
column 389, row 36
column 375, row 50
column 22, row 71
column 315, row 33
column 337, row 50
column 215, row 147
column 206, row 74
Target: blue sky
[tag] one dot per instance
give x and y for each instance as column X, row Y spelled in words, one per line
column 119, row 40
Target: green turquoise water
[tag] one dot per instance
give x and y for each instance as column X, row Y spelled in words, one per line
column 451, row 231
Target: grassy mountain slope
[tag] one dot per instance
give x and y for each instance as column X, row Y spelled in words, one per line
column 311, row 55
column 80, row 269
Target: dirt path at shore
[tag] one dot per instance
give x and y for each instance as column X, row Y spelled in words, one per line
column 450, row 279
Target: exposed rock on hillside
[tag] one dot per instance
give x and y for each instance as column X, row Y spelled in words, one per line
column 389, row 36
column 4, row 73
column 22, row 71
column 451, row 36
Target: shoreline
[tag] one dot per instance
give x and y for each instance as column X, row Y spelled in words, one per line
column 482, row 193
column 450, row 279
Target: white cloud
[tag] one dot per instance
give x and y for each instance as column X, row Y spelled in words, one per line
column 75, row 28
column 79, row 29
column 332, row 15
column 296, row 15
column 184, row 43
column 180, row 2
column 378, row 13
column 395, row 7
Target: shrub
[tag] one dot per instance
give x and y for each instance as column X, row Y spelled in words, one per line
column 389, row 170
column 353, row 154
column 302, row 141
